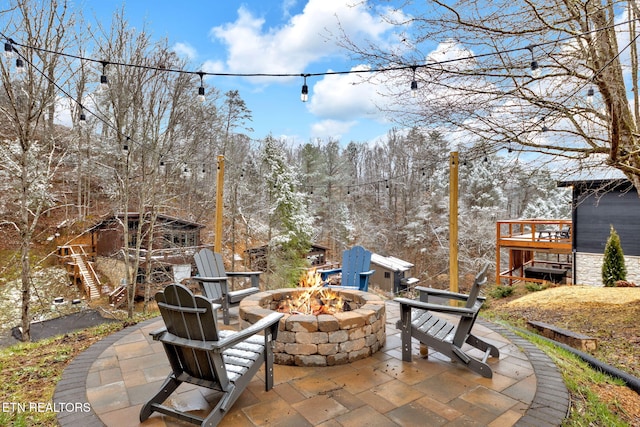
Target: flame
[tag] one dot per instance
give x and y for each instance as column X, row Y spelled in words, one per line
column 314, row 299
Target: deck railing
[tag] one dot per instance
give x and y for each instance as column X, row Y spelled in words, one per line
column 535, row 231
column 524, row 237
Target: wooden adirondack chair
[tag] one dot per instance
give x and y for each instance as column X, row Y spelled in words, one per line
column 213, row 281
column 356, row 263
column 200, row 354
column 418, row 320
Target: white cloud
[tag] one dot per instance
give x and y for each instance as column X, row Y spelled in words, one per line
column 213, row 67
column 287, row 5
column 453, row 55
column 185, row 50
column 305, row 38
column 346, row 96
column 331, row 128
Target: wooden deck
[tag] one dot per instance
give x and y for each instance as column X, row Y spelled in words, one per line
column 524, row 238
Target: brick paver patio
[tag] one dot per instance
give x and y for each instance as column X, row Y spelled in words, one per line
column 117, row 375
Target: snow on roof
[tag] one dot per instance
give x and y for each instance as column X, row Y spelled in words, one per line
column 391, row 263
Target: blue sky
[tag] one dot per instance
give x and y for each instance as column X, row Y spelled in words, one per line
column 271, row 36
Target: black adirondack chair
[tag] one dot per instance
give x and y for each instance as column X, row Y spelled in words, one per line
column 200, row 354
column 418, row 320
column 213, row 281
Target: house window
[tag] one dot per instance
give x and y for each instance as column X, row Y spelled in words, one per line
column 387, row 275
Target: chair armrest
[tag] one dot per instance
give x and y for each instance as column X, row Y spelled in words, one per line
column 157, row 333
column 208, row 279
column 243, row 273
column 221, row 345
column 462, row 311
column 331, row 271
column 242, row 335
column 367, row 273
column 442, row 293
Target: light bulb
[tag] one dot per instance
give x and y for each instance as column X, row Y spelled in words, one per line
column 590, row 95
column 8, row 50
column 536, row 71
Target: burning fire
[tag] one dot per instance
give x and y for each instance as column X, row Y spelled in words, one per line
column 314, row 299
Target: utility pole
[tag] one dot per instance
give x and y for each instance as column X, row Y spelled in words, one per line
column 217, row 245
column 453, row 221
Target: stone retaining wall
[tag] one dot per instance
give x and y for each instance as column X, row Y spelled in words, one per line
column 589, row 268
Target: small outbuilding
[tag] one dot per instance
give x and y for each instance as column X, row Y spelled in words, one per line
column 391, row 274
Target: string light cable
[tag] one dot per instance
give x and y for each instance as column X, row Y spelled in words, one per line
column 400, row 67
column 10, row 47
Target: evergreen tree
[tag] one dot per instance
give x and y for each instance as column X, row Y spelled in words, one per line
column 290, row 225
column 613, row 267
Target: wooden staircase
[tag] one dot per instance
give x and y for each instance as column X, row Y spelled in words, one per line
column 80, row 270
column 118, row 297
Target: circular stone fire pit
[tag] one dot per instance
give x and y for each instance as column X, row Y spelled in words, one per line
column 325, row 339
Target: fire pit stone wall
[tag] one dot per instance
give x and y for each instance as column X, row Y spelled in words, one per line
column 325, row 339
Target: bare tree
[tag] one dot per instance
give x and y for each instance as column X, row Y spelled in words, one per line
column 145, row 116
column 31, row 148
column 552, row 77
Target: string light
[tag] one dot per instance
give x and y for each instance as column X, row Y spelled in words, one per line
column 304, row 95
column 535, row 67
column 19, row 65
column 8, row 50
column 590, row 95
column 201, row 97
column 104, row 82
column 83, row 117
column 414, row 83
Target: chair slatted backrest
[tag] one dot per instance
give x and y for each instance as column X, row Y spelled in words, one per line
column 465, row 324
column 210, row 264
column 354, row 261
column 191, row 317
column 474, row 293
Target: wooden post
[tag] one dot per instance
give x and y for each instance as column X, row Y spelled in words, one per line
column 498, row 255
column 217, row 245
column 453, row 222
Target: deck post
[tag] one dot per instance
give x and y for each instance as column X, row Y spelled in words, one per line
column 217, row 244
column 453, row 222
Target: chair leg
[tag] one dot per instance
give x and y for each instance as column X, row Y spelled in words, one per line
column 225, row 310
column 168, row 387
column 405, row 332
column 483, row 346
column 480, row 367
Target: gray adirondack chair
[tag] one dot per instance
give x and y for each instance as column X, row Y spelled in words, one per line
column 213, row 281
column 419, row 320
column 200, row 354
column 355, row 269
